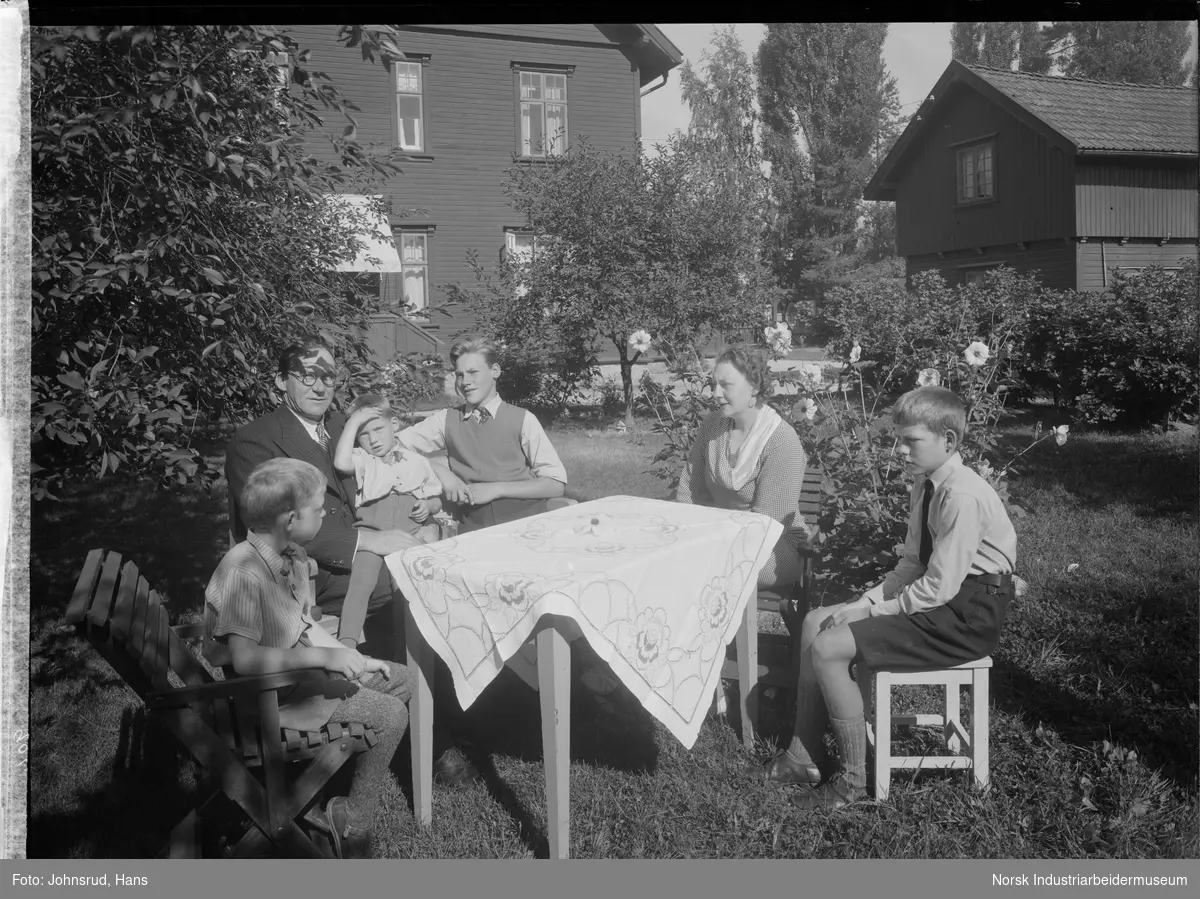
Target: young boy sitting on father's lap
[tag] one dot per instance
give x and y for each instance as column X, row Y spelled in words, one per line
column 395, row 489
column 943, row 605
column 257, row 621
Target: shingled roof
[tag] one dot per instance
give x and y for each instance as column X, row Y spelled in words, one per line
column 1099, row 115
column 1091, row 116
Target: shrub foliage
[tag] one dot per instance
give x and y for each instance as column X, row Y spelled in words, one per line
column 180, row 236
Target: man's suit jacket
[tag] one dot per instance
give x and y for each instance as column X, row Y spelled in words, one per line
column 279, row 434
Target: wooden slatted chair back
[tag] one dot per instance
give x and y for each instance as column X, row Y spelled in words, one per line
column 810, row 497
column 115, row 609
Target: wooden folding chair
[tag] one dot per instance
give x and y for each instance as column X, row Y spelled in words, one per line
column 231, row 727
column 756, row 660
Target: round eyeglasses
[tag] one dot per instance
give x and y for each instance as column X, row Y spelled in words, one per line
column 310, row 380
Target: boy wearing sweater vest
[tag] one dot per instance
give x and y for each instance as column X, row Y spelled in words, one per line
column 502, row 465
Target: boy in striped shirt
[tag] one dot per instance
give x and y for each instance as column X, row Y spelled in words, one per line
column 258, row 621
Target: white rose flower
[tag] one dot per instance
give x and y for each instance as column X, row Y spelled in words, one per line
column 855, row 353
column 639, row 342
column 1060, row 434
column 520, row 290
column 976, row 354
column 984, row 467
column 929, row 377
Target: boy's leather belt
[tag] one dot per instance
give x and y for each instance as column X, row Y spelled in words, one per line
column 994, row 582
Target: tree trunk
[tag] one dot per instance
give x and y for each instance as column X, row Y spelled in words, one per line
column 627, row 383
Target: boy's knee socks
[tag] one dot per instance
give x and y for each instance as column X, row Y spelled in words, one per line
column 850, row 735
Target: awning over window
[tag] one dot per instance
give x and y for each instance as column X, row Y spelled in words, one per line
column 379, row 253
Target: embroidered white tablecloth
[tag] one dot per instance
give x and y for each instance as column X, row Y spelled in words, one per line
column 657, row 588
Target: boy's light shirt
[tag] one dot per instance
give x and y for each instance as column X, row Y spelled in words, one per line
column 429, row 437
column 396, row 470
column 971, row 535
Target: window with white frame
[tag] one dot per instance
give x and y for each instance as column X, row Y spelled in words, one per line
column 410, row 105
column 977, row 173
column 410, row 286
column 519, row 246
column 543, row 113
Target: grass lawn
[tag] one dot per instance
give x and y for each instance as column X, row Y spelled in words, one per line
column 1093, row 725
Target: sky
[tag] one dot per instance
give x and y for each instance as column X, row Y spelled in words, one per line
column 915, row 53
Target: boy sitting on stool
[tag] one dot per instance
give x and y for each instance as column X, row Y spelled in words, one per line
column 943, row 605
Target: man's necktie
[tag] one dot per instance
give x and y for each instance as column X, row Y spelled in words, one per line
column 926, row 534
column 322, row 436
column 480, row 414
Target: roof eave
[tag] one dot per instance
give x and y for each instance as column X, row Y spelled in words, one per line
column 664, row 55
column 1162, row 154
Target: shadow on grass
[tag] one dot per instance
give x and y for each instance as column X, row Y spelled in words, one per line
column 1154, row 474
column 131, row 814
column 1129, row 680
column 176, row 539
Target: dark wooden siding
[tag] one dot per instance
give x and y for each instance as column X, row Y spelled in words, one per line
column 470, row 120
column 1097, row 258
column 1034, row 197
column 1054, row 260
column 1135, row 197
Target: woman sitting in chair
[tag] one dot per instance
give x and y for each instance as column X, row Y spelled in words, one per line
column 747, row 458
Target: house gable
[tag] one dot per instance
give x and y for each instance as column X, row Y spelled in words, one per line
column 1032, row 171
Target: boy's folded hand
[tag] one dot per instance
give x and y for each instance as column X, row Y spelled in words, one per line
column 350, row 663
column 851, row 611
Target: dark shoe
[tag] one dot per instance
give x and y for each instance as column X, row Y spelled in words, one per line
column 454, row 769
column 783, row 769
column 835, row 793
column 348, row 841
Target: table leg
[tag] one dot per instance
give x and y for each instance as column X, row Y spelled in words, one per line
column 554, row 681
column 420, row 714
column 747, row 663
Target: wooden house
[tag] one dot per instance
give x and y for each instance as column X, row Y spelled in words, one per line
column 1066, row 176
column 462, row 104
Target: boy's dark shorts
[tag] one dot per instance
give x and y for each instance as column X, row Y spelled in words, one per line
column 963, row 630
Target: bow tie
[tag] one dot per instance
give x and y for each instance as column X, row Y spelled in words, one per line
column 290, row 556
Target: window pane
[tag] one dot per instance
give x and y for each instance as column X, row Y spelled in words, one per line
column 985, row 171
column 412, row 248
column 408, row 113
column 556, row 128
column 532, row 136
column 391, row 288
column 520, row 246
column 408, row 77
column 414, row 286
column 556, row 87
column 966, row 175
column 531, row 86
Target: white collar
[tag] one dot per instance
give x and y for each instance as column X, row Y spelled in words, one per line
column 943, row 471
column 491, row 405
column 309, row 426
column 751, row 449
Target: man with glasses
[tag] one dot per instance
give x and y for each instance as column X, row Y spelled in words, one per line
column 303, row 427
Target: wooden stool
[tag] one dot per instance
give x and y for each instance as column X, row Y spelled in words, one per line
column 974, row 675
